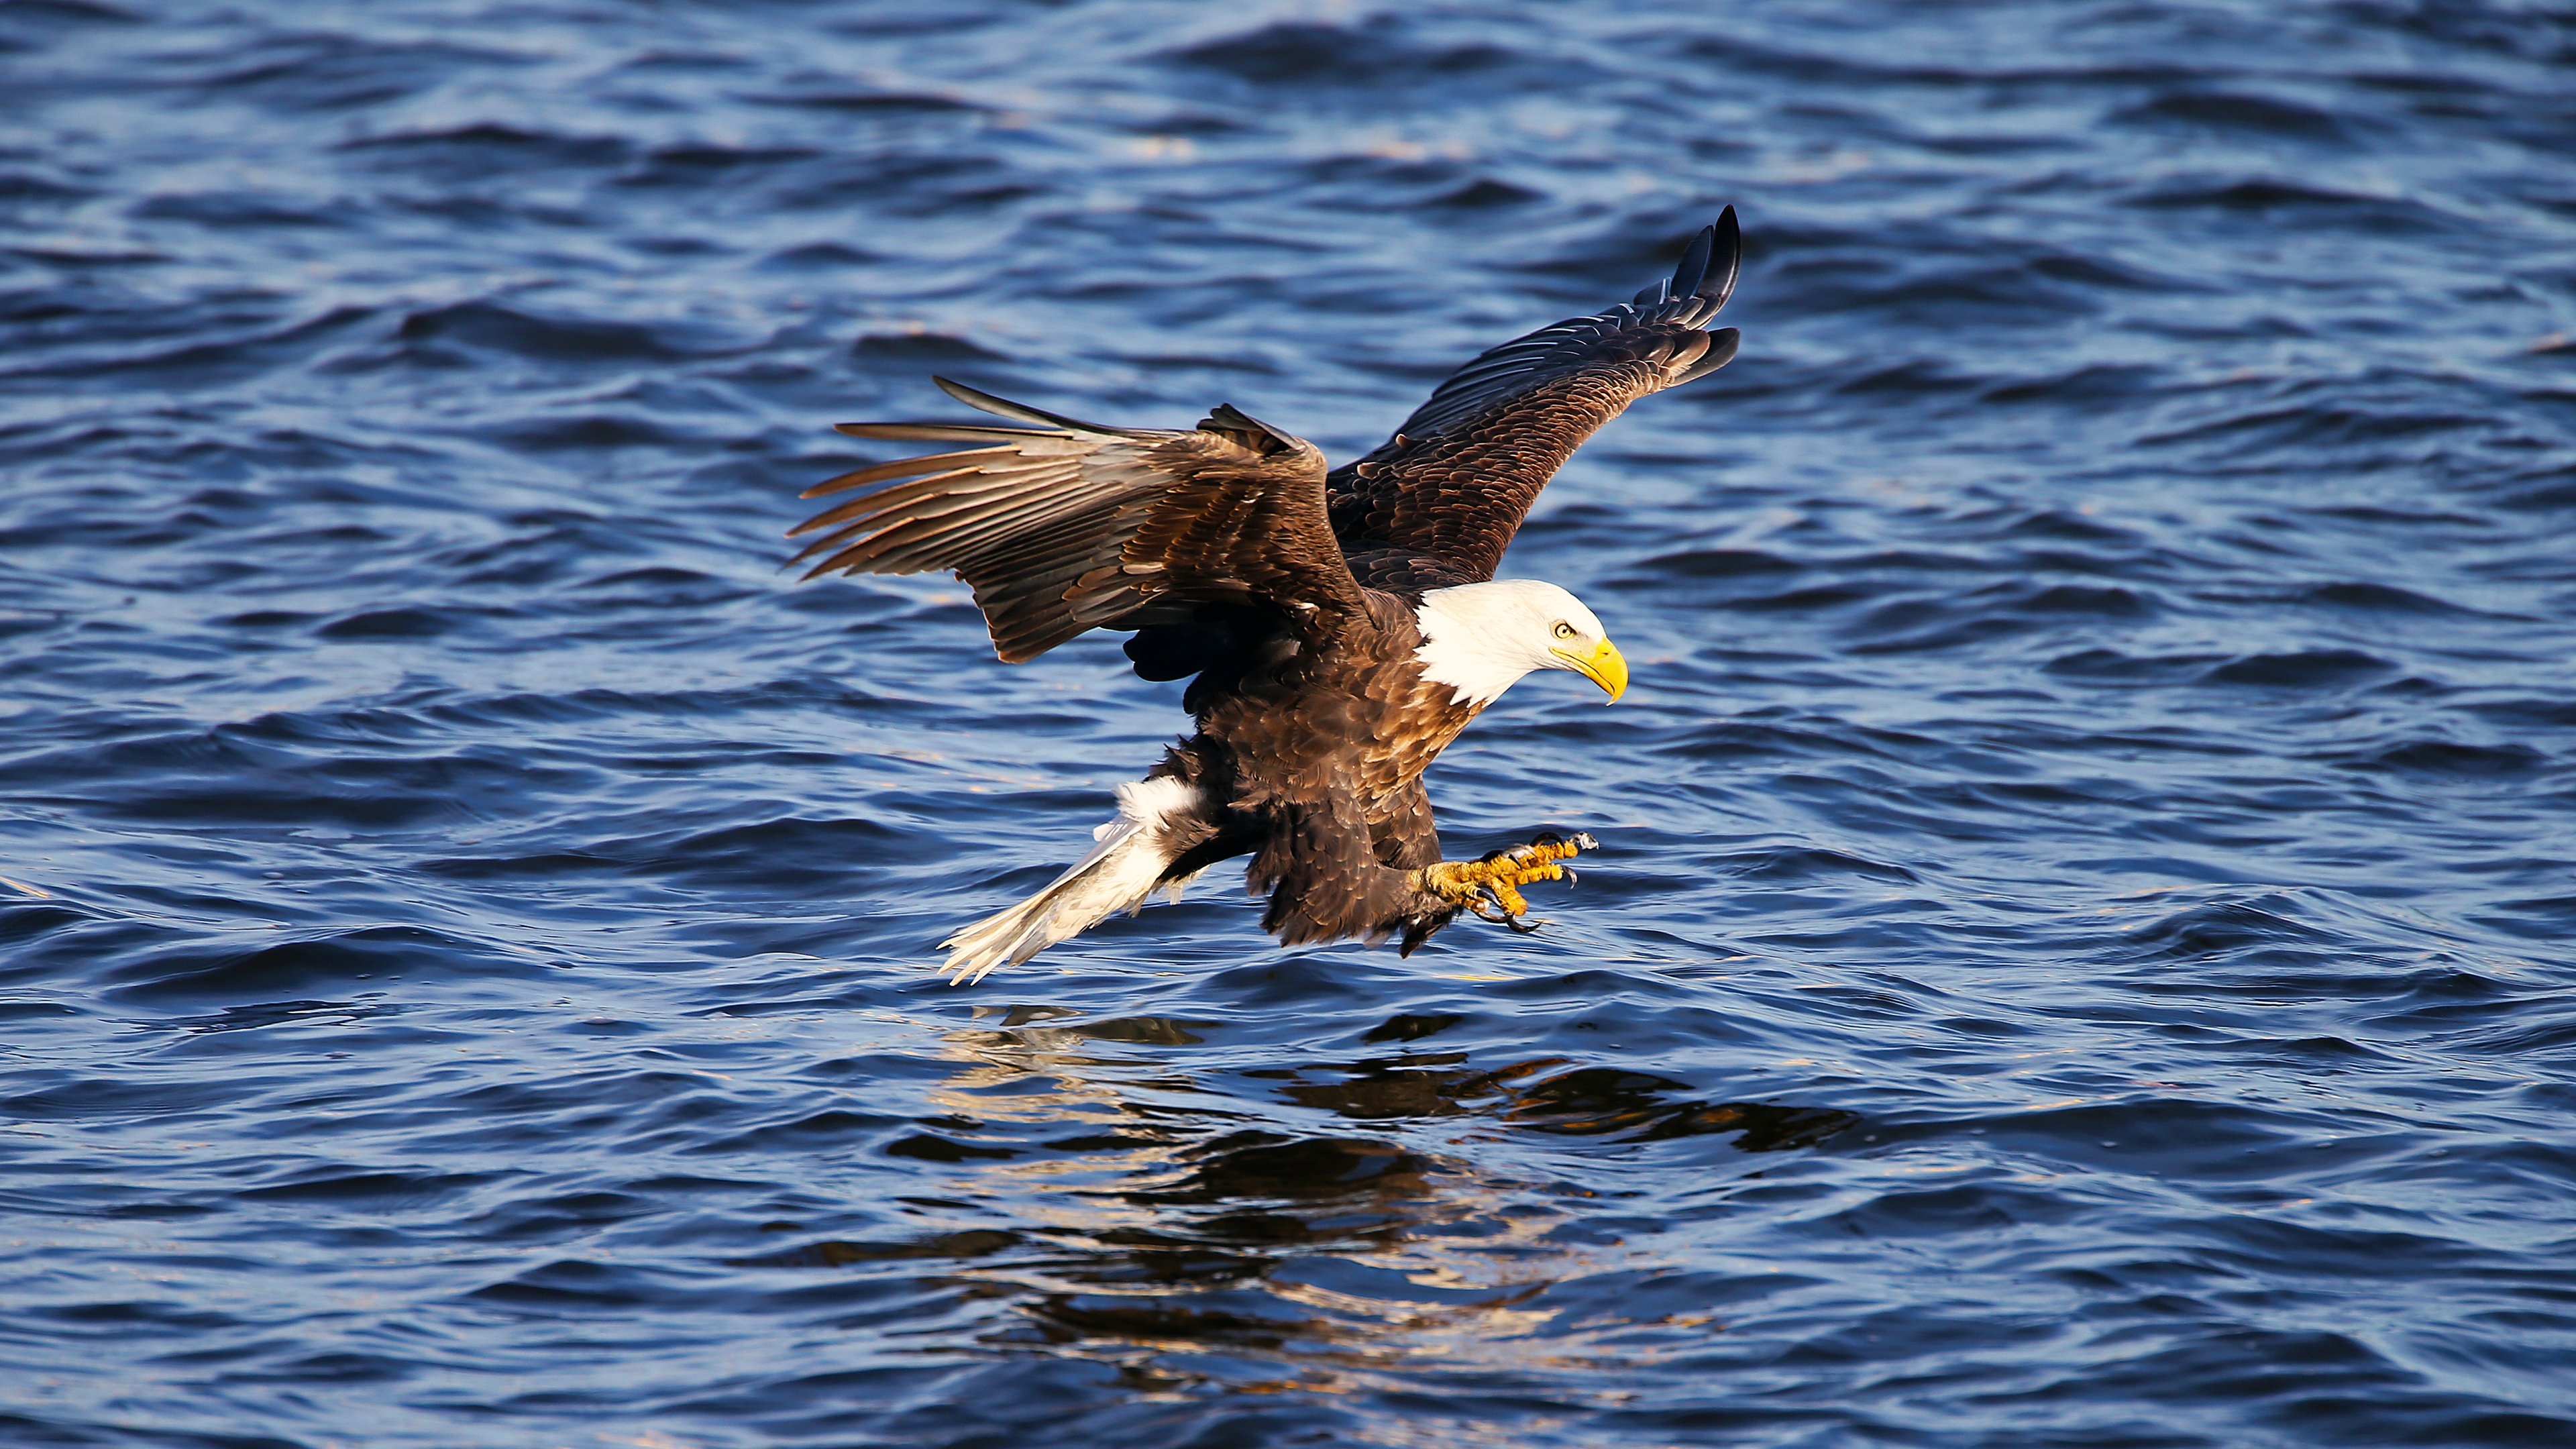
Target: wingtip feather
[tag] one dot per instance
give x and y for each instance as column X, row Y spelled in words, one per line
column 1694, row 265
column 1721, row 351
column 1022, row 412
column 982, row 401
column 1726, row 260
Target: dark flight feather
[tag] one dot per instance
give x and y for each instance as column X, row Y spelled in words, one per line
column 1437, row 503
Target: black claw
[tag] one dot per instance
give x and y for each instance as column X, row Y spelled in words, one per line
column 1570, row 876
column 1502, row 914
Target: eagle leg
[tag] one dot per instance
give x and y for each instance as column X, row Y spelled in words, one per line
column 1489, row 888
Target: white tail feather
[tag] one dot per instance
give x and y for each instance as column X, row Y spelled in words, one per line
column 1119, row 874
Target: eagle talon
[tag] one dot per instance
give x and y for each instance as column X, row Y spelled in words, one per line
column 1489, row 886
column 1490, row 906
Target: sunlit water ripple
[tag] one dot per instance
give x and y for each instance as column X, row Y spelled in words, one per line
column 2079, row 955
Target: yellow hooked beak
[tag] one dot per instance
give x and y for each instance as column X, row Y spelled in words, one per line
column 1604, row 666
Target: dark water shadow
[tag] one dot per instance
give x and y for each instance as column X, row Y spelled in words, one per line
column 1161, row 1227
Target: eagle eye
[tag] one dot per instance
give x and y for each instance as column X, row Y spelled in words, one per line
column 1564, row 630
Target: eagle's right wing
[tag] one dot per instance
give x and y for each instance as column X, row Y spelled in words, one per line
column 1436, row 504
column 1072, row 526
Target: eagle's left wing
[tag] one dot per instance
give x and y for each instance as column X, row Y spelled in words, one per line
column 1436, row 504
column 1071, row 526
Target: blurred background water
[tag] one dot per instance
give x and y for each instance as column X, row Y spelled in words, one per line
column 2079, row 956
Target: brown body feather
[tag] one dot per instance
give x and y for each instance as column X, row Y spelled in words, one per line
column 1318, row 759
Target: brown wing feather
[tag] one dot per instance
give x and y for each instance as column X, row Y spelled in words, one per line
column 1070, row 526
column 1438, row 503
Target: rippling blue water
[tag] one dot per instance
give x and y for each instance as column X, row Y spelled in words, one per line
column 2080, row 953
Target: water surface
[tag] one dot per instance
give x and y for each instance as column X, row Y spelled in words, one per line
column 2079, row 953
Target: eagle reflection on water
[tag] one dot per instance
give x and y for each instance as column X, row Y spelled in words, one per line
column 1183, row 1244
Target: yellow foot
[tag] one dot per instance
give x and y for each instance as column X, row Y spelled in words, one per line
column 1491, row 887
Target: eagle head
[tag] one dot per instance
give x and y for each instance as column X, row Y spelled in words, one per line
column 1479, row 639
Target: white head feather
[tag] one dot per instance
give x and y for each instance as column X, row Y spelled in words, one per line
column 1479, row 639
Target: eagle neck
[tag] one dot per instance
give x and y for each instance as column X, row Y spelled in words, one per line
column 1465, row 645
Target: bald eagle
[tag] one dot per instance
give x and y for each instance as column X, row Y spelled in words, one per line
column 1339, row 627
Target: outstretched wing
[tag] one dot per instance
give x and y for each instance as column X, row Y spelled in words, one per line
column 1436, row 504
column 1070, row 526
